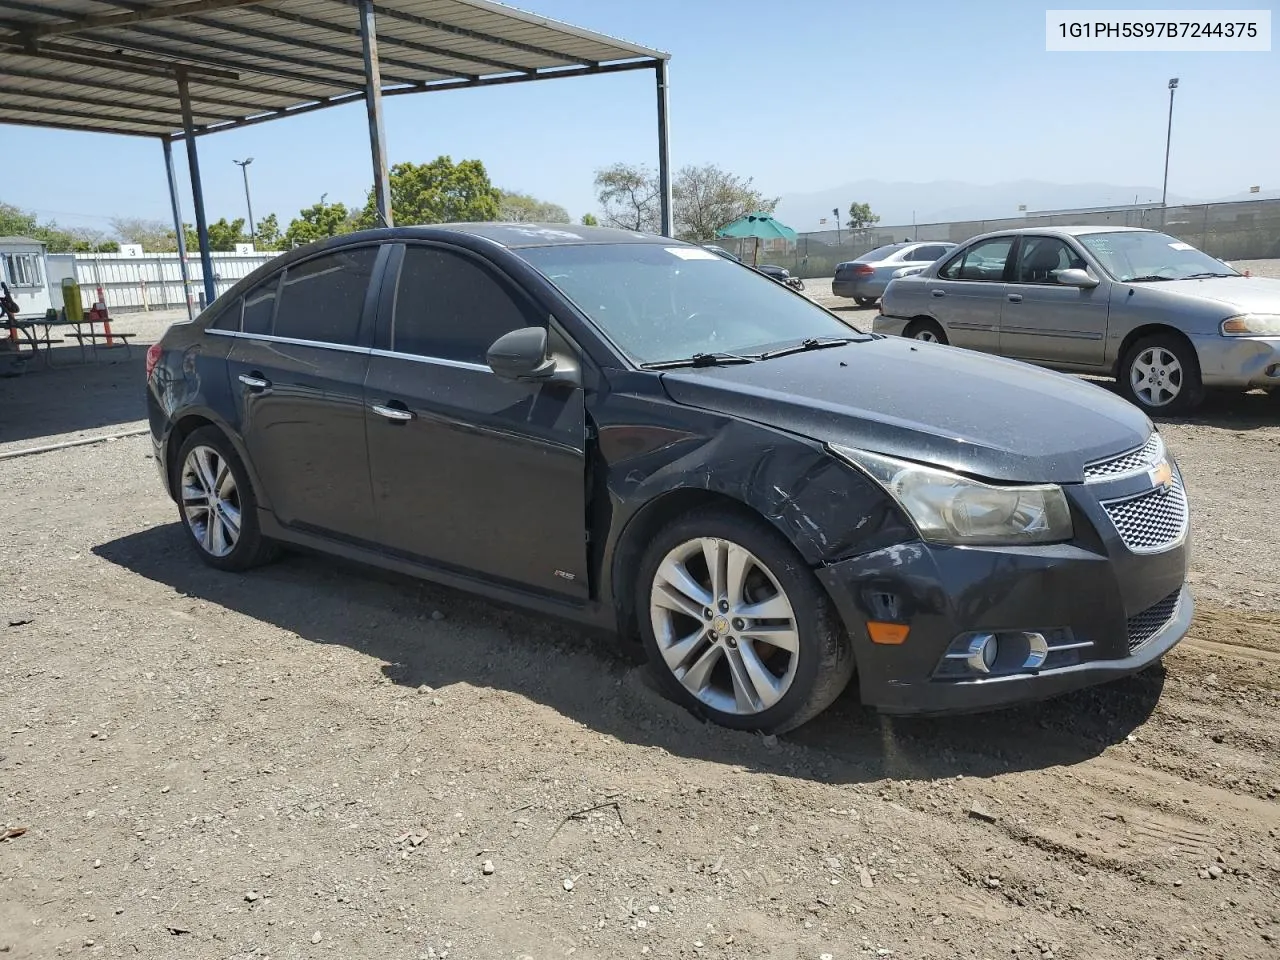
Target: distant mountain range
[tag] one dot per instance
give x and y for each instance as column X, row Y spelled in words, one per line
column 950, row 200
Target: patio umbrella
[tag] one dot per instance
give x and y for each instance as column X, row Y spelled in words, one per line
column 760, row 226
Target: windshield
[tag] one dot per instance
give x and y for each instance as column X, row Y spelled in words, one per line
column 659, row 303
column 879, row 253
column 1151, row 256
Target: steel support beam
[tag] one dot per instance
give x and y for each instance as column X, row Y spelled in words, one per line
column 373, row 105
column 664, row 150
column 178, row 232
column 197, row 188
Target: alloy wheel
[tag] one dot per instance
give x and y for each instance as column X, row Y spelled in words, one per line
column 211, row 501
column 927, row 335
column 724, row 626
column 1156, row 377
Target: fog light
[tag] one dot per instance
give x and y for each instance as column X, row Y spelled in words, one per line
column 982, row 653
column 1273, row 371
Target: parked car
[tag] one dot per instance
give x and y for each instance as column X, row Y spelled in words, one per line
column 629, row 432
column 1163, row 318
column 782, row 275
column 865, row 278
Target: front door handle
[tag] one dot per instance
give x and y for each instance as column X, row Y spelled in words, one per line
column 255, row 382
column 1015, row 298
column 395, row 414
column 937, row 293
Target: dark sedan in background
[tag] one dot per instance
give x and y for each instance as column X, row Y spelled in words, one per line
column 631, row 432
column 864, row 279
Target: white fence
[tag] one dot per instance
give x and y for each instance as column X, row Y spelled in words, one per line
column 152, row 281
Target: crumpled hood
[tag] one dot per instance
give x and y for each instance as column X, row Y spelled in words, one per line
column 981, row 415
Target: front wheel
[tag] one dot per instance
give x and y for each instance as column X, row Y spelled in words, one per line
column 865, row 301
column 735, row 625
column 1161, row 374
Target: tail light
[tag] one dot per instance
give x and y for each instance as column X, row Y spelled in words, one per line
column 153, row 357
column 863, row 270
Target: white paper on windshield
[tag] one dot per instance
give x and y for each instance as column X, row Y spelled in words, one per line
column 691, row 253
column 1179, row 245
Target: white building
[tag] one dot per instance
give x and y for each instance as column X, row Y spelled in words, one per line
column 24, row 269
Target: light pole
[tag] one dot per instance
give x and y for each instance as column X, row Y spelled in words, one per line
column 1168, row 139
column 244, row 168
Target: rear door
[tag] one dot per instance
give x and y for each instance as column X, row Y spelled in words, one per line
column 297, row 369
column 471, row 472
column 968, row 293
column 1046, row 321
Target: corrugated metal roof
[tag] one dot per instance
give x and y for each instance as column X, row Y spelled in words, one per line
column 24, row 241
column 108, row 65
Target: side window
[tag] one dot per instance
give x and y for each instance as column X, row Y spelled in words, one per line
column 229, row 317
column 1042, row 257
column 928, row 254
column 260, row 307
column 984, row 261
column 322, row 299
column 450, row 307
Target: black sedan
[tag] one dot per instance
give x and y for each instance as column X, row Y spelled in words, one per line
column 631, row 432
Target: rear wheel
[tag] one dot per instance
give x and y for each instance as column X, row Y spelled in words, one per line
column 217, row 505
column 1161, row 375
column 736, row 627
column 930, row 331
column 865, row 301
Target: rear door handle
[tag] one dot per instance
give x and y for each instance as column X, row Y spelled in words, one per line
column 937, row 293
column 1015, row 298
column 395, row 414
column 255, row 382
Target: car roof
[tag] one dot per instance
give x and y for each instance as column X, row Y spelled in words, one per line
column 1068, row 231
column 516, row 235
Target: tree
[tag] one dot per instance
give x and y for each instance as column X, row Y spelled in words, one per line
column 706, row 198
column 318, row 222
column 152, row 235
column 628, row 198
column 14, row 221
column 268, row 235
column 516, row 207
column 860, row 216
column 223, row 236
column 437, row 192
column 589, row 220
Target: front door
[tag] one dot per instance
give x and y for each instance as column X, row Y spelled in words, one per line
column 1049, row 322
column 967, row 295
column 298, row 367
column 472, row 472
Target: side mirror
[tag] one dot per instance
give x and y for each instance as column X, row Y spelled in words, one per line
column 1076, row 278
column 522, row 355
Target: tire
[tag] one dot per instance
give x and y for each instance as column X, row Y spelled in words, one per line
column 927, row 330
column 695, row 658
column 865, row 301
column 1161, row 375
column 225, row 534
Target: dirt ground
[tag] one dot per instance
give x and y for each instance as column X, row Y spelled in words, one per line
column 315, row 760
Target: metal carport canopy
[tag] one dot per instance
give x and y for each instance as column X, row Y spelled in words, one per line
column 181, row 69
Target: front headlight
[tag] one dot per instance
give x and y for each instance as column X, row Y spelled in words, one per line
column 949, row 508
column 1252, row 325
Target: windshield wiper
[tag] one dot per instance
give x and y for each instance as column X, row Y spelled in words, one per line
column 813, row 343
column 1148, row 278
column 697, row 360
column 1208, row 273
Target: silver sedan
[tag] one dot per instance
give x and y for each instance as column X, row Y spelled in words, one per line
column 1163, row 318
column 865, row 278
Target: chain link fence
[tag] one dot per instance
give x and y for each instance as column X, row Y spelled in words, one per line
column 1244, row 230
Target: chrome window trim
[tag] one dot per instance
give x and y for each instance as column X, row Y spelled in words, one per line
column 271, row 338
column 438, row 361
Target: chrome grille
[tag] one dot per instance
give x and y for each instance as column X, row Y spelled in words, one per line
column 1152, row 521
column 1145, row 625
column 1147, row 455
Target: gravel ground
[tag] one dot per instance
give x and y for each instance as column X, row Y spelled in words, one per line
column 319, row 760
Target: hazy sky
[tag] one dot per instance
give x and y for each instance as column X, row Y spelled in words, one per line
column 800, row 96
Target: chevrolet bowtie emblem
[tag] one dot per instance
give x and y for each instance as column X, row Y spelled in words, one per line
column 1162, row 475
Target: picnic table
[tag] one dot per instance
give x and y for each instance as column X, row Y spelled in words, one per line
column 93, row 333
